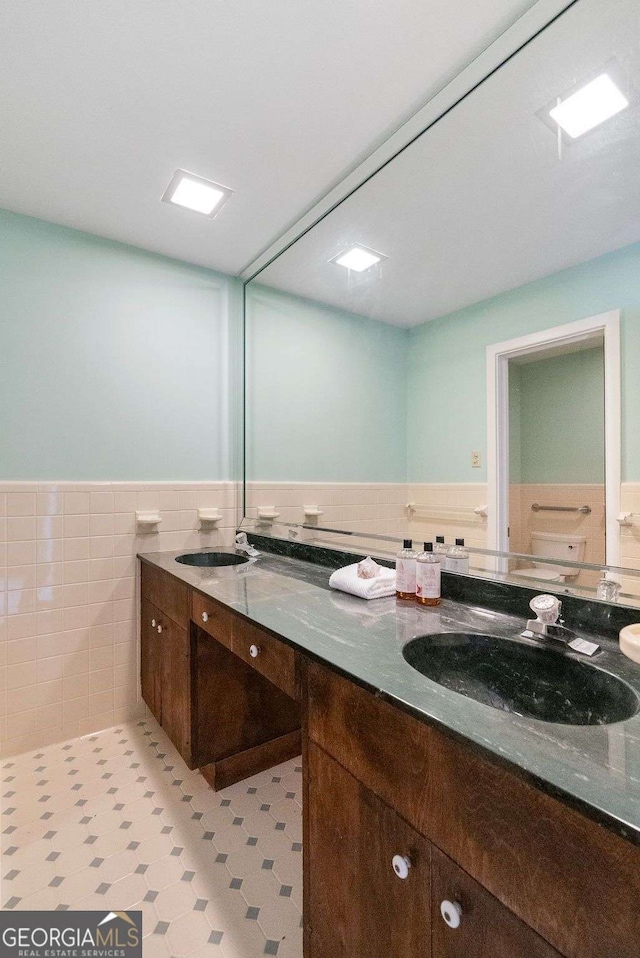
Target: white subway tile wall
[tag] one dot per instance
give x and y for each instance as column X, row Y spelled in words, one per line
column 68, row 605
column 68, row 619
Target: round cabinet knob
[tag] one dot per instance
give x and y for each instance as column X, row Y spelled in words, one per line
column 451, row 912
column 153, row 623
column 205, row 616
column 159, row 629
column 254, row 651
column 401, row 865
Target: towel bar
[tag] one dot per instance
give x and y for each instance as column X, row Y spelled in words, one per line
column 585, row 510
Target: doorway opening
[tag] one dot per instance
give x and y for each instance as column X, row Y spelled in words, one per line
column 553, row 457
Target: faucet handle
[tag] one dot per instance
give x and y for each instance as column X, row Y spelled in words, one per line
column 547, row 608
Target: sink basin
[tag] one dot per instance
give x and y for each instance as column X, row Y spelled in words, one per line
column 211, row 559
column 526, row 680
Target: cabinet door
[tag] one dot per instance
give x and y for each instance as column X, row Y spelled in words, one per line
column 176, row 685
column 358, row 907
column 468, row 922
column 150, row 669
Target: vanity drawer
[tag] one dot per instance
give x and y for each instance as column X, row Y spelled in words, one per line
column 385, row 749
column 167, row 593
column 272, row 658
column 213, row 618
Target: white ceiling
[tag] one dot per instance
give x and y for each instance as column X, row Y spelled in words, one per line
column 101, row 101
column 482, row 202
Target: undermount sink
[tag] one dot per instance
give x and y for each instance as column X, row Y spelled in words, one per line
column 526, row 680
column 211, row 559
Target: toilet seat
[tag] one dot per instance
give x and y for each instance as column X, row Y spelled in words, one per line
column 532, row 572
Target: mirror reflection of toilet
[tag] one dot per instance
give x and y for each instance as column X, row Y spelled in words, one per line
column 553, row 545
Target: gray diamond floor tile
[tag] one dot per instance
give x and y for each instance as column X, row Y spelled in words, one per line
column 203, row 867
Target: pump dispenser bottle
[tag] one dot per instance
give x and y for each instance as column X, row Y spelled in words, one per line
column 428, row 568
column 406, row 571
column 457, row 558
column 440, row 548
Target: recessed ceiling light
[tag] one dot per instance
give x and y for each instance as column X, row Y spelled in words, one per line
column 195, row 193
column 358, row 258
column 588, row 107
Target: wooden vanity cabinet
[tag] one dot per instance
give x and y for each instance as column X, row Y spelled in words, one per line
column 176, row 686
column 165, row 671
column 357, row 906
column 360, row 906
column 228, row 712
column 526, row 875
column 532, row 869
column 242, row 722
column 150, row 660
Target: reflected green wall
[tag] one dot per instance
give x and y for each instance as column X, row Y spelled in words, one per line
column 447, row 362
column 326, row 397
column 556, row 419
column 115, row 364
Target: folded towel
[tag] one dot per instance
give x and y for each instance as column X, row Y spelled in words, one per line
column 347, row 580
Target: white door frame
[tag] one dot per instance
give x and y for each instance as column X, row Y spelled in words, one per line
column 498, row 357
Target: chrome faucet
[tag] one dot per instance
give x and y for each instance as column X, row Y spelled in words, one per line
column 243, row 545
column 549, row 625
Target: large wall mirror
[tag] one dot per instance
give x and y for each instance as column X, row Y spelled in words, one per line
column 455, row 349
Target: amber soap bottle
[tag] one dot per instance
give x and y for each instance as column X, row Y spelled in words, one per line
column 406, row 571
column 428, row 568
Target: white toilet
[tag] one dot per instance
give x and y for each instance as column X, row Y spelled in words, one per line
column 553, row 545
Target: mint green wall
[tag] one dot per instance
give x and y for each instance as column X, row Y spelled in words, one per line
column 515, row 424
column 556, row 419
column 447, row 360
column 326, row 397
column 114, row 363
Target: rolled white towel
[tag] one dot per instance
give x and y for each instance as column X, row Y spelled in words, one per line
column 347, row 580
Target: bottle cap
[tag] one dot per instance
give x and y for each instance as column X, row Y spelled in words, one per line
column 439, row 538
column 428, row 547
column 459, row 542
column 407, row 543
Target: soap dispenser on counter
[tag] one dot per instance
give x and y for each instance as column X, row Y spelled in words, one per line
column 406, row 571
column 428, row 568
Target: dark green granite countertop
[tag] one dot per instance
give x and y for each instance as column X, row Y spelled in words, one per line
column 596, row 769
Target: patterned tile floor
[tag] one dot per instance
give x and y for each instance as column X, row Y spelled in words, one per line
column 116, row 821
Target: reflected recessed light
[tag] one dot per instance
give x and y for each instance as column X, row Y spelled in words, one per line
column 589, row 106
column 358, row 258
column 195, row 193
